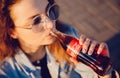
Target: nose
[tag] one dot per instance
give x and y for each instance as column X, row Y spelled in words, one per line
column 46, row 22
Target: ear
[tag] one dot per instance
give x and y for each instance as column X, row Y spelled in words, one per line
column 12, row 33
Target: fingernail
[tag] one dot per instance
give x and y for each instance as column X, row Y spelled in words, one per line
column 81, row 43
column 84, row 50
column 98, row 52
column 90, row 52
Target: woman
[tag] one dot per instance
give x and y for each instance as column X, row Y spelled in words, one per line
column 27, row 48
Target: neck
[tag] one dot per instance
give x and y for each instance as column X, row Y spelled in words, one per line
column 36, row 55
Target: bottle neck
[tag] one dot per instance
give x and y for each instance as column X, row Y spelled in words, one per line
column 63, row 38
column 59, row 35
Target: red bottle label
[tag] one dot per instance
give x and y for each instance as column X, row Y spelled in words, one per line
column 74, row 48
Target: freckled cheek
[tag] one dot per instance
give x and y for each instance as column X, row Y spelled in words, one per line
column 29, row 37
column 32, row 40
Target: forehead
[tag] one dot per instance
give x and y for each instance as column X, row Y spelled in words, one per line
column 24, row 9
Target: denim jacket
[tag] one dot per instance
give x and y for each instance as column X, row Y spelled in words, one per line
column 20, row 66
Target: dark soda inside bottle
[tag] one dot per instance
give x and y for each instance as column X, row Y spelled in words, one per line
column 101, row 63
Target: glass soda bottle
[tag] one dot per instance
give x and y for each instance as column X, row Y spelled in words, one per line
column 101, row 63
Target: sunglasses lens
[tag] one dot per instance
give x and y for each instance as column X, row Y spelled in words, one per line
column 54, row 12
column 37, row 20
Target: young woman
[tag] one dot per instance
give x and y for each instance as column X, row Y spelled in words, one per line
column 27, row 48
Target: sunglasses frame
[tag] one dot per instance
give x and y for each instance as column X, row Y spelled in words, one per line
column 48, row 8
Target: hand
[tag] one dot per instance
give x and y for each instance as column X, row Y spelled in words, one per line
column 89, row 46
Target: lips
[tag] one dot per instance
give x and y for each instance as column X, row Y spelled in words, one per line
column 51, row 36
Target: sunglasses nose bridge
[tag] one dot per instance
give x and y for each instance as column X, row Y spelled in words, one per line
column 46, row 22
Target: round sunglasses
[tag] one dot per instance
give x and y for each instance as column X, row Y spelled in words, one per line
column 52, row 12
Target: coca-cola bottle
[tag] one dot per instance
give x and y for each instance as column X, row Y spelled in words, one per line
column 101, row 63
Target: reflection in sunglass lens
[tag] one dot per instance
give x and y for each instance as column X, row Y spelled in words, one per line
column 53, row 12
column 36, row 20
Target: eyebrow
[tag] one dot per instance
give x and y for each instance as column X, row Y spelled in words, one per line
column 30, row 19
column 33, row 16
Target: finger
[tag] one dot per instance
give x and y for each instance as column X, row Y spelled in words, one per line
column 101, row 47
column 86, row 45
column 82, row 39
column 92, row 47
column 105, row 50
